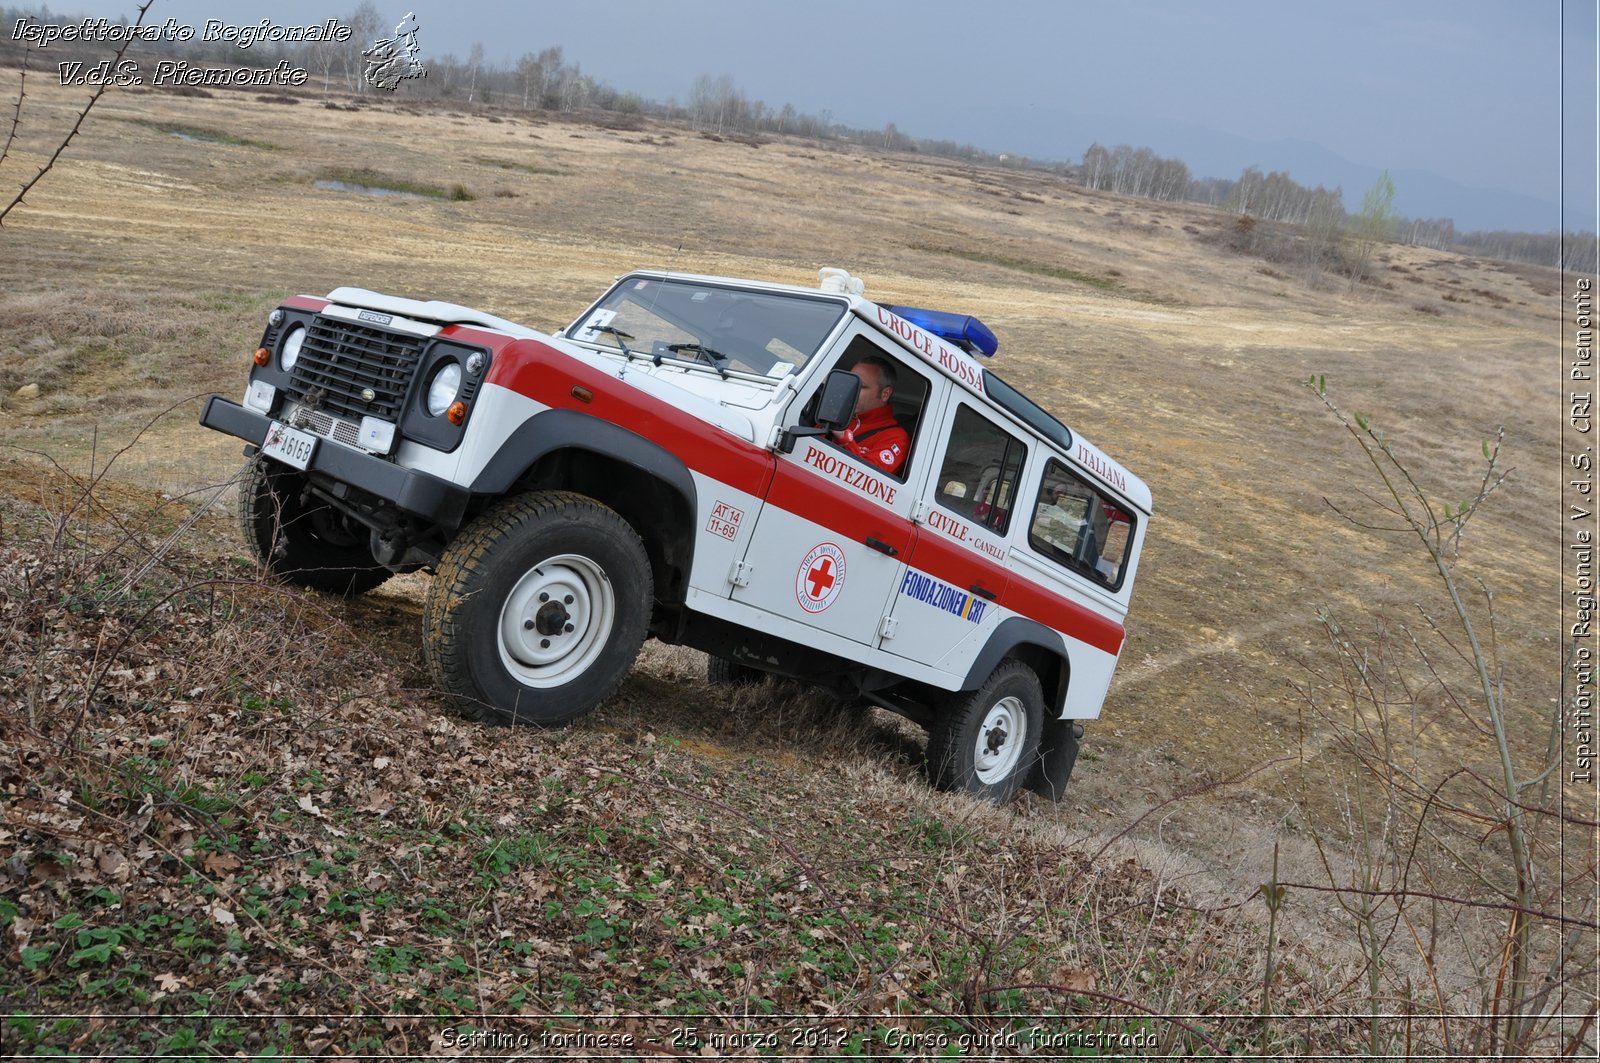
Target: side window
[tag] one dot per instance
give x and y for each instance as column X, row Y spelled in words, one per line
column 880, row 421
column 1079, row 527
column 981, row 465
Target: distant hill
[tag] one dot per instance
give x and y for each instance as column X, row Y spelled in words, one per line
column 1054, row 133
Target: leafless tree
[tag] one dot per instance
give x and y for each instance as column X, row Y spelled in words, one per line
column 366, row 25
column 1171, row 180
column 550, row 66
column 528, row 77
column 577, row 88
column 1437, row 233
column 323, row 56
column 716, row 104
column 474, row 61
column 1097, row 168
column 444, row 75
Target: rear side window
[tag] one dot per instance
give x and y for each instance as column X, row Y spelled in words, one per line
column 1078, row 527
column 981, row 467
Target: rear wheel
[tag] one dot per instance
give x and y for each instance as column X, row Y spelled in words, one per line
column 303, row 539
column 538, row 609
column 985, row 742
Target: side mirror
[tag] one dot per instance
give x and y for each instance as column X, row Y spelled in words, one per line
column 838, row 405
column 835, row 408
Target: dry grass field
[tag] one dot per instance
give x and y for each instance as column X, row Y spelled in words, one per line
column 139, row 271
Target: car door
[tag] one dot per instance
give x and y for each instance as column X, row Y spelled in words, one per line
column 953, row 590
column 831, row 541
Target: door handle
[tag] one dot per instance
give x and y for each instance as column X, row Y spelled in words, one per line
column 983, row 592
column 881, row 546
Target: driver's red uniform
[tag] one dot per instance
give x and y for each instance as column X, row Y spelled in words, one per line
column 877, row 439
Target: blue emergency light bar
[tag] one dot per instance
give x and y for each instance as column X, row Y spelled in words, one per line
column 968, row 333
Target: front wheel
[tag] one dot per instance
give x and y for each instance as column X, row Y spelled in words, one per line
column 538, row 609
column 301, row 538
column 985, row 742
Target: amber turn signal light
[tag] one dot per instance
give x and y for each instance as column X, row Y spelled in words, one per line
column 457, row 412
column 263, row 356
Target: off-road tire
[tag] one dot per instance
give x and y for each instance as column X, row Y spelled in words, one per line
column 725, row 672
column 308, row 543
column 985, row 742
column 507, row 655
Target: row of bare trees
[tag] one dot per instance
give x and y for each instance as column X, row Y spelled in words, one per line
column 1277, row 197
column 1135, row 172
column 1572, row 250
column 717, row 105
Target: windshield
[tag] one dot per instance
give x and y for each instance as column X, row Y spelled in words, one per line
column 725, row 329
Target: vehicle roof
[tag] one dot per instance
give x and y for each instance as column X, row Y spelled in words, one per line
column 966, row 370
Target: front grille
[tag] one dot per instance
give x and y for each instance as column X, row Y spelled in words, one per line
column 346, row 432
column 340, row 360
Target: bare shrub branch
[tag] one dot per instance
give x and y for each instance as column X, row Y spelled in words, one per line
column 77, row 124
column 22, row 94
column 1439, row 843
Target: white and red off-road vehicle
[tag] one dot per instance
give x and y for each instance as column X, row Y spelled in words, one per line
column 672, row 465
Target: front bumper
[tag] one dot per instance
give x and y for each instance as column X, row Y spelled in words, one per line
column 434, row 500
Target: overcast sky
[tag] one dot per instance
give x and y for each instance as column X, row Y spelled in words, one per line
column 1468, row 89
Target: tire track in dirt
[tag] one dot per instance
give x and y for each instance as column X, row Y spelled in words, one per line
column 1153, row 666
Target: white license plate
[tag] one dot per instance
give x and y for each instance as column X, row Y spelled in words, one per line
column 289, row 445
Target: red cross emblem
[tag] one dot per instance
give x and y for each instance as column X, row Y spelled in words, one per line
column 820, row 577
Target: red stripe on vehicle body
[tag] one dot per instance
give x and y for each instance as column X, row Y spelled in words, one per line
column 547, row 376
column 808, row 495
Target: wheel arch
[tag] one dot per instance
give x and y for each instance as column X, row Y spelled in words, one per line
column 1033, row 644
column 647, row 485
column 1045, row 652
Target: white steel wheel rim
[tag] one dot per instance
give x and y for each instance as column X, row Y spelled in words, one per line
column 999, row 744
column 556, row 621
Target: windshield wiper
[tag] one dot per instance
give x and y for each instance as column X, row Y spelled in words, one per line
column 716, row 358
column 612, row 330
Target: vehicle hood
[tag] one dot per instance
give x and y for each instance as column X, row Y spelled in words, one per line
column 431, row 310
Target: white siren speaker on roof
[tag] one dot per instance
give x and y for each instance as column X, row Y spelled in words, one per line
column 839, row 280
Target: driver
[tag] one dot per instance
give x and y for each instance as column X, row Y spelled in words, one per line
column 875, row 436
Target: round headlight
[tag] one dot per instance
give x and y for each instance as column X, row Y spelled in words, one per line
column 443, row 387
column 291, row 348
